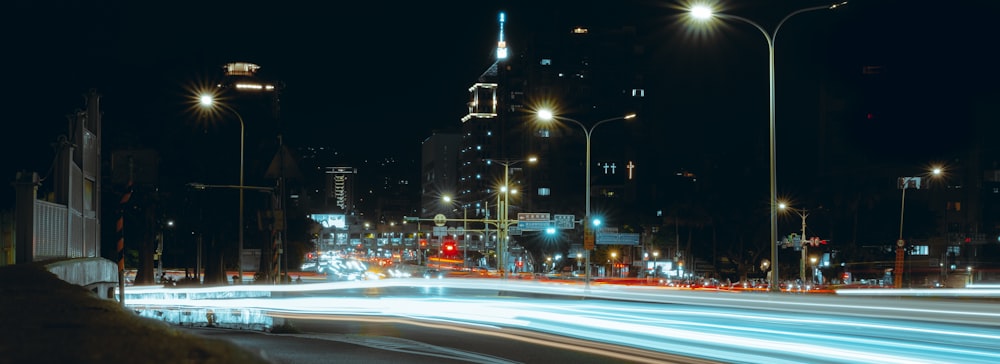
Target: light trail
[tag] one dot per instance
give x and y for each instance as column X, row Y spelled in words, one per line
column 714, row 326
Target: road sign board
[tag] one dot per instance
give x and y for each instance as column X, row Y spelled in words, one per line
column 565, row 221
column 513, row 230
column 617, row 239
column 533, row 216
column 533, row 225
column 440, row 219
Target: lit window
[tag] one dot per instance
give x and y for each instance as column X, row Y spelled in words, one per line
column 546, row 62
column 544, row 133
column 544, row 191
column 919, row 250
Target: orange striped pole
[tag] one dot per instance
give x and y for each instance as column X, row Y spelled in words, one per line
column 120, row 229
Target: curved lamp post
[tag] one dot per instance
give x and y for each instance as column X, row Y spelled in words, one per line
column 905, row 183
column 546, row 115
column 209, row 102
column 704, row 13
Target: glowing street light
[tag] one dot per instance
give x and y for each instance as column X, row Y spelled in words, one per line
column 547, row 115
column 503, row 220
column 208, row 101
column 905, row 183
column 802, row 259
column 702, row 12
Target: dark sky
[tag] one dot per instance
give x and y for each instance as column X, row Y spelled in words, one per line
column 393, row 71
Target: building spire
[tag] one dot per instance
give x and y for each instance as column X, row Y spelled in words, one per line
column 501, row 43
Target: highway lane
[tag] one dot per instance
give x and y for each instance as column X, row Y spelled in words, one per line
column 349, row 340
column 714, row 326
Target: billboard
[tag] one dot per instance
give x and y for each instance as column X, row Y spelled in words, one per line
column 328, row 221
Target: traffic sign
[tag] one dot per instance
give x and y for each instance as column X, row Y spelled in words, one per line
column 533, row 216
column 534, row 225
column 617, row 239
column 513, row 230
column 565, row 221
column 440, row 219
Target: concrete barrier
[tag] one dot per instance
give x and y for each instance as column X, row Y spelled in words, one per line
column 99, row 275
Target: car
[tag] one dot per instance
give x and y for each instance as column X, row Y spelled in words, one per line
column 433, row 273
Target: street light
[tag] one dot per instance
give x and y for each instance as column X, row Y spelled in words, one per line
column 905, row 183
column 502, row 217
column 208, row 101
column 613, row 261
column 656, row 261
column 702, row 12
column 547, row 115
column 802, row 259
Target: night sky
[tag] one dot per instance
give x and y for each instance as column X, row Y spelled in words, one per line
column 375, row 78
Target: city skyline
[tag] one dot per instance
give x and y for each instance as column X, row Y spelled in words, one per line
column 126, row 52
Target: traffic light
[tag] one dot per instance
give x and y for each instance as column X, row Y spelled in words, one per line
column 423, row 243
column 449, row 247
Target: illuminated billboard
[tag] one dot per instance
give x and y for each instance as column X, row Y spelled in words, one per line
column 328, row 221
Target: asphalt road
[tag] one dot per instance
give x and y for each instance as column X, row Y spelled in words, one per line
column 399, row 341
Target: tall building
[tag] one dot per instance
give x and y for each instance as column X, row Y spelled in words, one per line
column 584, row 72
column 439, row 167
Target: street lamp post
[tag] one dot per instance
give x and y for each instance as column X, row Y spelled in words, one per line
column 802, row 259
column 656, row 260
column 904, row 184
column 704, row 12
column 614, row 263
column 502, row 217
column 547, row 115
column 209, row 101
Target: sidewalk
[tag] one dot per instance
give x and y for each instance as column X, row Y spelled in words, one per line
column 47, row 320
